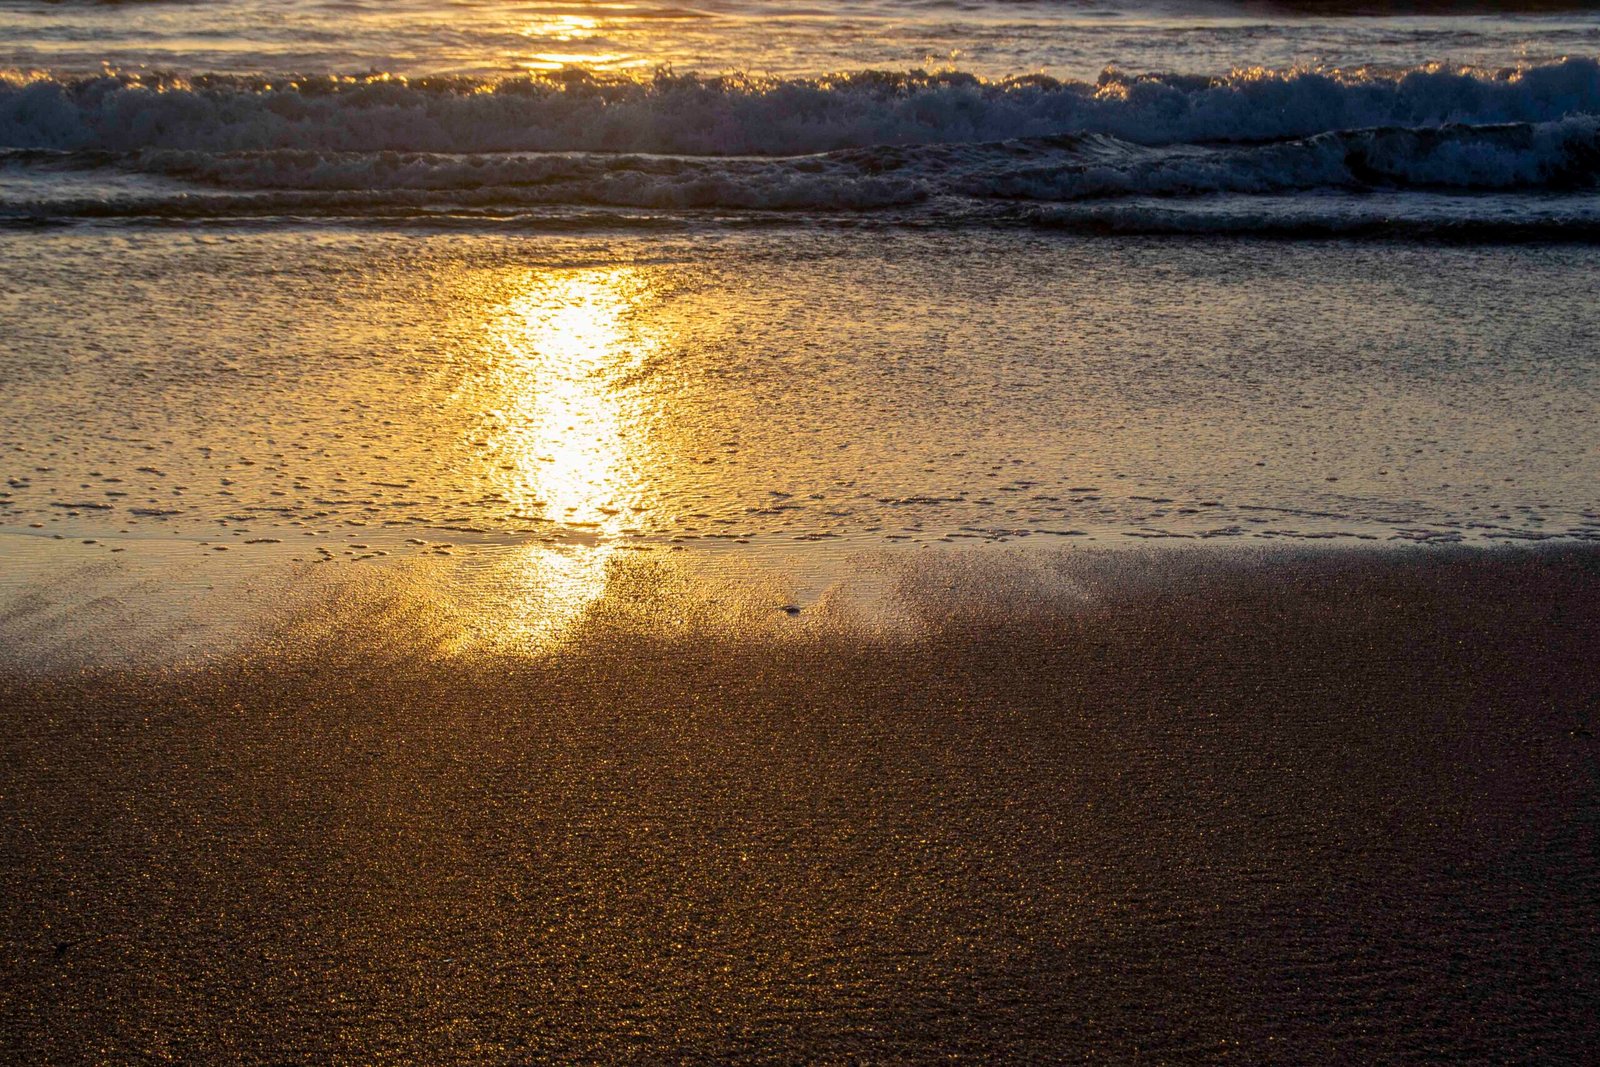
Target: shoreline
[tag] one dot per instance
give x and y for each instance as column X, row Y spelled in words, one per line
column 163, row 601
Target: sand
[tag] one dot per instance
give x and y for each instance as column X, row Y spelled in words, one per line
column 1161, row 806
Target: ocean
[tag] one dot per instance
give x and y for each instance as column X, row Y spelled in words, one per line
column 886, row 531
column 870, row 274
column 1099, row 118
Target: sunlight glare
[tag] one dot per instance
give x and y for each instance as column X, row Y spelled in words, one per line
column 566, row 447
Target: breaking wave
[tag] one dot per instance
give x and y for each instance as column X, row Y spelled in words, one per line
column 1148, row 154
column 744, row 116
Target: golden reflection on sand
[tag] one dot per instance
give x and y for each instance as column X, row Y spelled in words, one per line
column 565, row 444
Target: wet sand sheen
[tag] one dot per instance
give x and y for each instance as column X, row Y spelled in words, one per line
column 1168, row 805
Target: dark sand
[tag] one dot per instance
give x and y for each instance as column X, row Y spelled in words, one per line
column 1335, row 808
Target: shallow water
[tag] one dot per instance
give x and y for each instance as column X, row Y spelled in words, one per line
column 329, row 387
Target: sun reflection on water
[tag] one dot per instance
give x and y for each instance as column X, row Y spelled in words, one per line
column 572, row 29
column 566, row 447
column 562, row 27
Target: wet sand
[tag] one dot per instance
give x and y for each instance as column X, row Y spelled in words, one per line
column 1156, row 806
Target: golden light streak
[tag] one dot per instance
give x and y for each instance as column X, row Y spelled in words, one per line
column 562, row 27
column 566, row 446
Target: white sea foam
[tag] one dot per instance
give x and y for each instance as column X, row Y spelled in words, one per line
column 943, row 150
column 697, row 116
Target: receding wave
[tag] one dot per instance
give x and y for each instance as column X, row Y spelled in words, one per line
column 1554, row 156
column 1563, row 154
column 740, row 116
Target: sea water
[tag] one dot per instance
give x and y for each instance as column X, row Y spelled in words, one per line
column 343, row 281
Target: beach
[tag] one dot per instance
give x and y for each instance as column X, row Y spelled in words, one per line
column 443, row 649
column 883, row 532
column 1160, row 805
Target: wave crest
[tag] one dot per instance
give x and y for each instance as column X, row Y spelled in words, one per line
column 744, row 116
